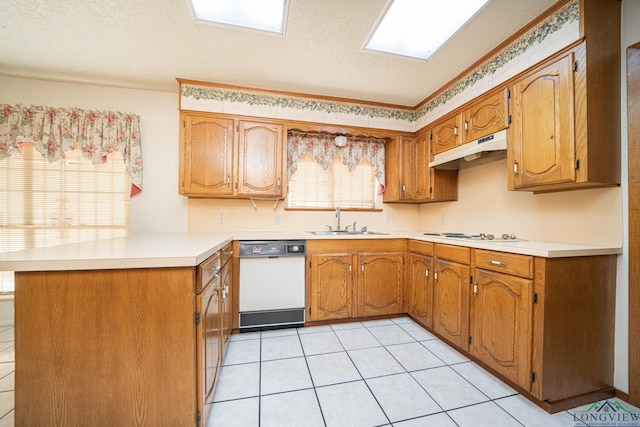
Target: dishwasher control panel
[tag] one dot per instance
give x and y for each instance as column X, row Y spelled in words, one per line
column 271, row 248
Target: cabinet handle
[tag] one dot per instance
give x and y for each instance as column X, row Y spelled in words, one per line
column 500, row 263
column 426, row 273
column 515, row 168
column 475, row 289
column 455, row 130
column 228, row 181
column 435, row 276
column 278, row 183
column 362, row 267
column 466, row 126
column 350, row 268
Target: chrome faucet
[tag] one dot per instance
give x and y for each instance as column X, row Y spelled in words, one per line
column 338, row 216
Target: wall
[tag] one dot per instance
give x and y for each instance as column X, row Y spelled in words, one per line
column 158, row 207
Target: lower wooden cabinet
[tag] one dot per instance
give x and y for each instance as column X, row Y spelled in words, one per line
column 208, row 332
column 354, row 278
column 451, row 294
column 419, row 295
column 329, row 286
column 501, row 323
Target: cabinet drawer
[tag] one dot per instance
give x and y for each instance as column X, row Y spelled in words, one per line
column 422, row 248
column 458, row 254
column 513, row 264
column 208, row 271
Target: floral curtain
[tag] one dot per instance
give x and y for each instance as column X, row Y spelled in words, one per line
column 56, row 131
column 323, row 150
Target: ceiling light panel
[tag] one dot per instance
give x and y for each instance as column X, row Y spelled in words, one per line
column 264, row 15
column 417, row 28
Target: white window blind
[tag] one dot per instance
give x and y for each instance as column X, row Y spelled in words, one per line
column 72, row 200
column 311, row 187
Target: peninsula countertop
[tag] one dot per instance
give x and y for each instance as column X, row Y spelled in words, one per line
column 191, row 248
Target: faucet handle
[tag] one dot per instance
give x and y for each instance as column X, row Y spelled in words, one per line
column 330, row 228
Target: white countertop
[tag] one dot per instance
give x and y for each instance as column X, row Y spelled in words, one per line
column 190, row 249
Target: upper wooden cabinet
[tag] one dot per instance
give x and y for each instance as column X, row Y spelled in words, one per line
column 486, row 115
column 409, row 178
column 445, row 134
column 565, row 132
column 216, row 163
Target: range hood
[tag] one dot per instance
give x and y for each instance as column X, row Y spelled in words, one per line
column 471, row 150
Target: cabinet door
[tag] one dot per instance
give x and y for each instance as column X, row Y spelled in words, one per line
column 331, row 286
column 260, row 159
column 485, row 116
column 451, row 302
column 207, row 155
column 421, row 288
column 501, row 324
column 380, row 283
column 422, row 186
column 225, row 308
column 408, row 170
column 208, row 342
column 445, row 134
column 541, row 135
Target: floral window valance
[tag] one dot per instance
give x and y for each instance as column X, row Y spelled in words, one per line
column 323, row 150
column 56, row 131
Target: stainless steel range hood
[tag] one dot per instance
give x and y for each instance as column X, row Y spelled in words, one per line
column 471, row 150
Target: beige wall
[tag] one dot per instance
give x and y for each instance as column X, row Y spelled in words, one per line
column 485, row 206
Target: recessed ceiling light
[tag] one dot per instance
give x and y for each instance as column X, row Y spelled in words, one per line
column 264, row 15
column 417, row 28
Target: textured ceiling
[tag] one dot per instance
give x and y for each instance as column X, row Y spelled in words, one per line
column 148, row 43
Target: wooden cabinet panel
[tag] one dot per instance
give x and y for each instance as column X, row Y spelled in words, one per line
column 485, row 116
column 380, row 283
column 446, row 134
column 421, row 288
column 542, row 131
column 330, row 286
column 260, row 155
column 206, row 155
column 208, row 343
column 226, row 315
column 215, row 162
column 451, row 302
column 514, row 264
column 501, row 324
column 454, row 253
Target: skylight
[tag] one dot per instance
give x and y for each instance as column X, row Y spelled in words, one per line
column 417, row 28
column 264, row 15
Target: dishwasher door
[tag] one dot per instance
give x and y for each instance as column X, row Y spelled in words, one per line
column 272, row 291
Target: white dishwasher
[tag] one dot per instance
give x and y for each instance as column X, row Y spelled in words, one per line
column 272, row 284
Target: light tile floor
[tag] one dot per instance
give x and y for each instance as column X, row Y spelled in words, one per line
column 7, row 373
column 378, row 373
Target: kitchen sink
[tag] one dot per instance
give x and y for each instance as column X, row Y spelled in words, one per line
column 344, row 233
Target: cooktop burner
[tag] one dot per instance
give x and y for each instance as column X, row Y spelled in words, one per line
column 481, row 236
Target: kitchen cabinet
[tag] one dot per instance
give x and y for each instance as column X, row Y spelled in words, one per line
column 445, row 134
column 565, row 131
column 354, row 278
column 329, row 285
column 226, row 307
column 217, row 161
column 208, row 331
column 409, row 178
column 451, row 294
column 502, row 313
column 420, row 282
column 486, row 115
column 379, row 283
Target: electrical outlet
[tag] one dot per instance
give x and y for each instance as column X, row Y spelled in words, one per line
column 221, row 218
column 276, row 219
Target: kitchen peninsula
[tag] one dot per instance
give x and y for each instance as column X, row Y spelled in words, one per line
column 106, row 335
